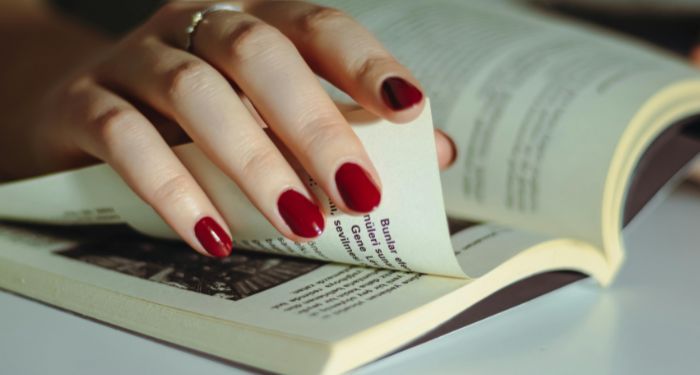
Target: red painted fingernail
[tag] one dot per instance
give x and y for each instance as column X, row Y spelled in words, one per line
column 302, row 216
column 399, row 94
column 212, row 237
column 356, row 188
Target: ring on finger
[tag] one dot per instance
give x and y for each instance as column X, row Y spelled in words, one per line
column 199, row 16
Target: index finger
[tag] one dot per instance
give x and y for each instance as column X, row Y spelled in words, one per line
column 267, row 67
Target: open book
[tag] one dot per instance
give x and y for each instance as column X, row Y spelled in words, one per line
column 563, row 135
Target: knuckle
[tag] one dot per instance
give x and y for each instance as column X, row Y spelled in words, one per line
column 77, row 84
column 186, row 77
column 320, row 133
column 171, row 190
column 257, row 161
column 167, row 10
column 112, row 124
column 320, row 18
column 252, row 38
column 72, row 96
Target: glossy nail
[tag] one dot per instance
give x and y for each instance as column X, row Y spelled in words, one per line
column 302, row 216
column 357, row 189
column 213, row 237
column 399, row 94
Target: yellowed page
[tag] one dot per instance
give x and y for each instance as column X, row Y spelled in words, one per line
column 537, row 108
column 304, row 315
column 408, row 232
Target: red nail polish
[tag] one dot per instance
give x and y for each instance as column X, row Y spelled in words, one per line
column 356, row 188
column 302, row 216
column 212, row 237
column 399, row 94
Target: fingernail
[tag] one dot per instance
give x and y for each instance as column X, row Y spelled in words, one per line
column 357, row 189
column 213, row 238
column 302, row 216
column 398, row 94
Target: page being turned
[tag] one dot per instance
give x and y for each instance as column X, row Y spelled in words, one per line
column 408, row 232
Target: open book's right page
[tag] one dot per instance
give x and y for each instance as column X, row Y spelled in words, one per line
column 539, row 110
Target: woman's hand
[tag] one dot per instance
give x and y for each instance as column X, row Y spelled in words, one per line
column 246, row 85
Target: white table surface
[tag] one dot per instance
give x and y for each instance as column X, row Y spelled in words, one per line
column 646, row 323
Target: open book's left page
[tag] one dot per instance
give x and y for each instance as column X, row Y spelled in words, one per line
column 275, row 312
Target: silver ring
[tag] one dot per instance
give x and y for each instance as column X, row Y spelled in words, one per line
column 198, row 17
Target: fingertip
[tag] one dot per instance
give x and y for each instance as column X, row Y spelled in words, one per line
column 212, row 237
column 399, row 94
column 399, row 99
column 446, row 149
column 405, row 116
column 302, row 216
column 359, row 191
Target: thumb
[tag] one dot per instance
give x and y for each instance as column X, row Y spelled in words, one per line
column 446, row 150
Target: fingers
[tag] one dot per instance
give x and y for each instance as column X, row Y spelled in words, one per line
column 111, row 129
column 287, row 94
column 283, row 93
column 202, row 101
column 446, row 150
column 346, row 54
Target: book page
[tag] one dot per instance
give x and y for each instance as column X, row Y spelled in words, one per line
column 408, row 232
column 536, row 107
column 250, row 304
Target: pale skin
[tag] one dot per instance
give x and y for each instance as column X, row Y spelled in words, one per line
column 72, row 97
